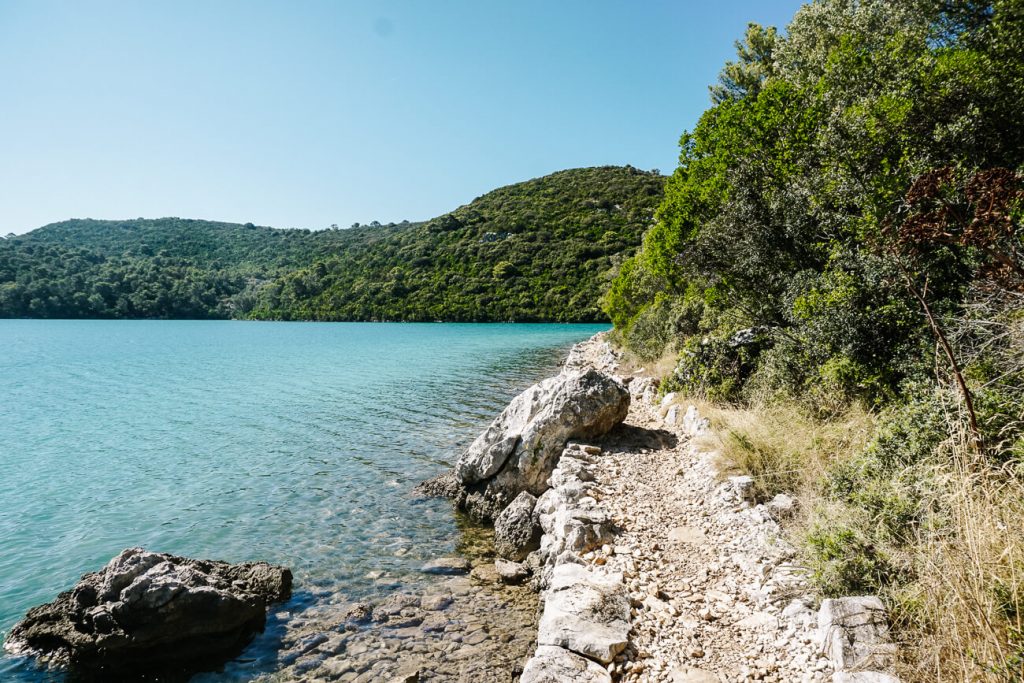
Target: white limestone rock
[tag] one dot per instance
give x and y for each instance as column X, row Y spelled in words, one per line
column 521, row 448
column 863, row 677
column 854, row 633
column 516, row 532
column 557, row 665
column 586, row 612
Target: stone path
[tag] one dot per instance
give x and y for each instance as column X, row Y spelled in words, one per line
column 715, row 594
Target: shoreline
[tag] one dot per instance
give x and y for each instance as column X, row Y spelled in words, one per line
column 696, row 583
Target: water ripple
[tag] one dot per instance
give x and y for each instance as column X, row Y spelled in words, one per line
column 285, row 442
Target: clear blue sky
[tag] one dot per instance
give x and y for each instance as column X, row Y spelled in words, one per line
column 307, row 113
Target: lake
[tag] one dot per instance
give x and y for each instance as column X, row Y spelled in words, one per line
column 295, row 443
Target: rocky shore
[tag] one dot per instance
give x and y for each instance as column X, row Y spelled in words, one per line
column 152, row 612
column 613, row 550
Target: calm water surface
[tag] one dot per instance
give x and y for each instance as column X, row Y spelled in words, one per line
column 294, row 443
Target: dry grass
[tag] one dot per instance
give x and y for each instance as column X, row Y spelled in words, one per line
column 782, row 447
column 962, row 617
column 662, row 366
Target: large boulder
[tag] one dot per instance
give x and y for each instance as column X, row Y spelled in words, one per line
column 516, row 531
column 521, row 448
column 147, row 610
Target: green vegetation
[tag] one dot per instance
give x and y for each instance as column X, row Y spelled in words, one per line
column 839, row 253
column 540, row 250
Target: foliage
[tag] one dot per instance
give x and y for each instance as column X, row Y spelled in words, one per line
column 862, row 117
column 753, row 67
column 540, row 250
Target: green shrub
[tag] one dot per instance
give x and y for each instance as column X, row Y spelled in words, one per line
column 714, row 368
column 843, row 562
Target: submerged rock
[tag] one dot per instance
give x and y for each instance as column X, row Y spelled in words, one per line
column 521, row 448
column 148, row 610
column 447, row 565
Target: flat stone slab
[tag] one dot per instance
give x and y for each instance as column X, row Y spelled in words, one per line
column 686, row 534
column 447, row 565
column 585, row 612
column 691, row 675
column 558, row 665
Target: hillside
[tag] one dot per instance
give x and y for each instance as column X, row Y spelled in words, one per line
column 539, row 250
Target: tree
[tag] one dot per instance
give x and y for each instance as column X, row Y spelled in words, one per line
column 754, row 66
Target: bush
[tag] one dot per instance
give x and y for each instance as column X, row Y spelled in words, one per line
column 716, row 369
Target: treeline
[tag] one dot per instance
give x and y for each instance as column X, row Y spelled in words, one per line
column 52, row 281
column 540, row 250
column 843, row 232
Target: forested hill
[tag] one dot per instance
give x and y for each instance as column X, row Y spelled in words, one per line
column 540, row 250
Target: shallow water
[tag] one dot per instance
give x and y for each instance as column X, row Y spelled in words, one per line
column 294, row 443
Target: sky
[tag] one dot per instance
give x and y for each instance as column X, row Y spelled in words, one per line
column 308, row 113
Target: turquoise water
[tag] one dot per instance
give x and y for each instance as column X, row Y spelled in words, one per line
column 294, row 443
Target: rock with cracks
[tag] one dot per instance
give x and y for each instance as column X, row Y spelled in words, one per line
column 585, row 612
column 516, row 531
column 854, row 632
column 148, row 610
column 557, row 665
column 521, row 448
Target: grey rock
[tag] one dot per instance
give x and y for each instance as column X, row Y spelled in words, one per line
column 358, row 613
column 741, row 487
column 854, row 633
column 485, row 573
column 692, row 423
column 435, row 601
column 435, row 623
column 692, row 675
column 863, row 677
column 516, row 531
column 144, row 610
column 586, row 612
column 572, row 521
column 521, row 448
column 511, row 572
column 781, row 506
column 394, row 605
column 557, row 665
